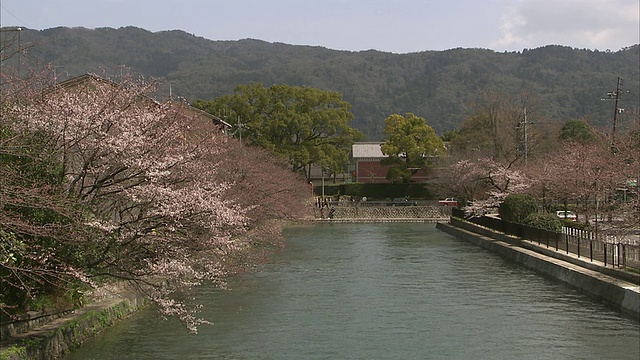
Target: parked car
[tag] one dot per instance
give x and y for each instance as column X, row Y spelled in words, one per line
column 568, row 215
column 402, row 202
column 448, row 202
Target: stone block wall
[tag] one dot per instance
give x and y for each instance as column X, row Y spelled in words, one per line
column 382, row 213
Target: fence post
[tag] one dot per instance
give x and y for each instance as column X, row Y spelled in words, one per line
column 605, row 253
column 546, row 242
column 539, row 239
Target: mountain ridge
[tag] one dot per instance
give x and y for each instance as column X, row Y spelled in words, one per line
column 437, row 85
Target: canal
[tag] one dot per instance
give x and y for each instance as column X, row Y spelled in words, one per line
column 381, row 291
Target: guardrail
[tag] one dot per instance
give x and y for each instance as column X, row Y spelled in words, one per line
column 612, row 250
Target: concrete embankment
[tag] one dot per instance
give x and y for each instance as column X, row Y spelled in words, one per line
column 66, row 332
column 613, row 286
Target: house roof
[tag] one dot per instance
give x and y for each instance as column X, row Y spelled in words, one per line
column 91, row 76
column 75, row 81
column 370, row 150
column 213, row 118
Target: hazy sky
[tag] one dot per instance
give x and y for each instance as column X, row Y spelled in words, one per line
column 399, row 26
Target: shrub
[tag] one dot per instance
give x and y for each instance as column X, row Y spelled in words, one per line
column 545, row 221
column 516, row 207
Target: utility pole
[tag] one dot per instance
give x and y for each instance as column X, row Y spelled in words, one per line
column 225, row 113
column 18, row 30
column 526, row 150
column 615, row 95
column 240, row 126
column 523, row 143
column 19, row 52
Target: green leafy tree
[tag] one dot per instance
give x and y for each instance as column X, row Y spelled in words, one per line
column 473, row 137
column 577, row 130
column 411, row 145
column 304, row 125
column 449, row 135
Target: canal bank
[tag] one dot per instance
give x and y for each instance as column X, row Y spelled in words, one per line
column 51, row 338
column 365, row 291
column 51, row 335
column 615, row 287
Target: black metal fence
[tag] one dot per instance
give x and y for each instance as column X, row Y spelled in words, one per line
column 364, row 202
column 611, row 251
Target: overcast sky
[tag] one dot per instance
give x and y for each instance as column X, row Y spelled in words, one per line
column 399, row 26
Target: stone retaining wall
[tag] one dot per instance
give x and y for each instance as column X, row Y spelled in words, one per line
column 382, row 213
column 622, row 294
column 67, row 332
column 27, row 322
column 549, row 251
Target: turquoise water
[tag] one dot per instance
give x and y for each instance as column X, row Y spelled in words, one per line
column 382, row 291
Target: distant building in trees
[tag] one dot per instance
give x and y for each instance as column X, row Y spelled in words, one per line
column 366, row 158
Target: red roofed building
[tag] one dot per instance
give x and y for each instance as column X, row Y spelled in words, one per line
column 367, row 156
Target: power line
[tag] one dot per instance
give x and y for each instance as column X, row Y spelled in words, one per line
column 10, row 13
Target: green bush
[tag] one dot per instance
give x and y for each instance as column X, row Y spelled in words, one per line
column 543, row 221
column 516, row 207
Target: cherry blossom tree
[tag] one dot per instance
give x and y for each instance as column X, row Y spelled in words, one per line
column 628, row 168
column 572, row 176
column 459, row 179
column 265, row 186
column 489, row 180
column 166, row 197
column 585, row 174
column 41, row 229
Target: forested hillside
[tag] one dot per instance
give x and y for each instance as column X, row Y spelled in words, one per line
column 436, row 85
